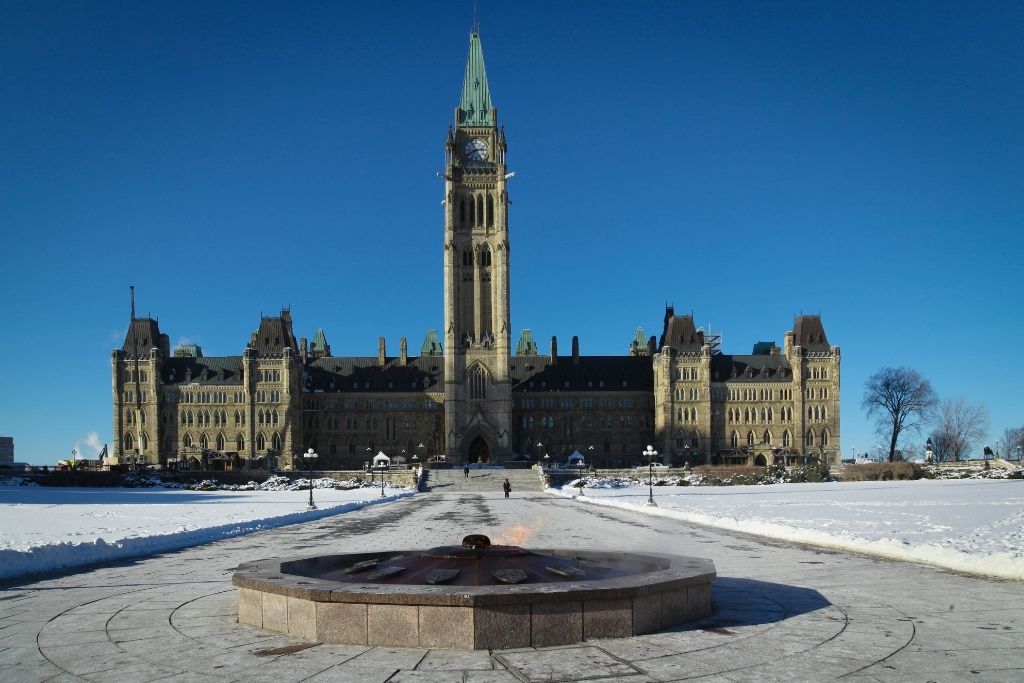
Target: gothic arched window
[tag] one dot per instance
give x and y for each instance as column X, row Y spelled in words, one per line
column 240, row 442
column 275, row 442
column 261, row 442
column 477, row 382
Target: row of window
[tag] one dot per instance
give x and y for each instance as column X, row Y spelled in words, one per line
column 268, row 375
column 766, row 439
column 604, row 422
column 134, row 376
column 352, row 422
column 817, row 392
column 584, row 403
column 129, row 396
column 818, row 373
column 766, row 414
column 368, row 404
column 204, row 397
column 566, row 384
column 686, row 373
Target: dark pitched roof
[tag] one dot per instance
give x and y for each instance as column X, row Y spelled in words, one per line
column 608, row 373
column 203, row 370
column 274, row 334
column 753, row 368
column 365, row 375
column 809, row 333
column 143, row 335
column 680, row 333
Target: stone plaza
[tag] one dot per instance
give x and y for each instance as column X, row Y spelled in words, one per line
column 780, row 611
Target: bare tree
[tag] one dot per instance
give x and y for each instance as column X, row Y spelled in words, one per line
column 1014, row 443
column 900, row 400
column 960, row 424
column 942, row 448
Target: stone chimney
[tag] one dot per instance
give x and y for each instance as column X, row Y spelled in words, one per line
column 575, row 350
column 304, row 349
column 382, row 353
column 554, row 349
column 403, row 351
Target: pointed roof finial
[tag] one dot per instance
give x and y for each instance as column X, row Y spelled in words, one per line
column 475, row 108
column 131, row 289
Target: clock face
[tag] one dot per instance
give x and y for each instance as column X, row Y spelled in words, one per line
column 476, row 149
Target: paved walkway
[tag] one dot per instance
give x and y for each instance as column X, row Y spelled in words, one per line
column 782, row 612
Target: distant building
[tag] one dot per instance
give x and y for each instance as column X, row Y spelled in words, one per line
column 467, row 395
column 6, row 450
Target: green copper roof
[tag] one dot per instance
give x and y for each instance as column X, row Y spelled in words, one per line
column 475, row 104
column 639, row 339
column 431, row 344
column 319, row 340
column 526, row 345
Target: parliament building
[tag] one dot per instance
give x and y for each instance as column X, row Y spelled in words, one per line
column 468, row 396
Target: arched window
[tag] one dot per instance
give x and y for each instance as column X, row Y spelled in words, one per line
column 810, row 413
column 275, row 442
column 467, row 258
column 144, row 442
column 273, row 417
column 766, row 438
column 479, row 209
column 261, row 442
column 204, row 442
column 694, row 439
column 183, row 416
column 129, row 442
column 477, row 382
column 786, row 439
column 240, row 442
column 764, row 414
column 187, row 441
column 734, row 439
column 220, row 442
column 824, row 437
column 485, row 256
column 750, row 438
column 809, row 438
column 490, row 211
column 824, row 412
column 238, row 418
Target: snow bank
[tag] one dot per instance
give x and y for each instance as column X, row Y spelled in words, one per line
column 972, row 526
column 42, row 525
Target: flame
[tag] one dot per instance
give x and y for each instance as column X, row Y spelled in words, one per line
column 519, row 533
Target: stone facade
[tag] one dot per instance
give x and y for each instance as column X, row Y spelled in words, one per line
column 471, row 398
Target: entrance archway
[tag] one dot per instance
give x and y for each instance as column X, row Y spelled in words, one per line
column 760, row 461
column 479, row 451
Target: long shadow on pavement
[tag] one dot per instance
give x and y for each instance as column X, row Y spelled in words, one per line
column 747, row 602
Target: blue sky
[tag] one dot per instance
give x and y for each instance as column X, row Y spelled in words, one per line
column 743, row 161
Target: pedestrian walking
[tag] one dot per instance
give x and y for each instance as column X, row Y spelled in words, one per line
column 465, row 471
column 508, row 488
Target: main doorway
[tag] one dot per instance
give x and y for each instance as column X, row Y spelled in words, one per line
column 479, row 451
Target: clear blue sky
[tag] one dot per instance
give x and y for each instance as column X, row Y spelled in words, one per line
column 743, row 161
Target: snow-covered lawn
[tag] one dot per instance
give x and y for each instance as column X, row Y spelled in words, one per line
column 974, row 526
column 48, row 528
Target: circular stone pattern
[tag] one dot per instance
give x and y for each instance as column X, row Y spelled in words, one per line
column 566, row 596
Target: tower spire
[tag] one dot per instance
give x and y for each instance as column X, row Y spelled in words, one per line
column 131, row 289
column 475, row 107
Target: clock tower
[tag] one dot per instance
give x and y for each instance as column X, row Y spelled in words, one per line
column 476, row 265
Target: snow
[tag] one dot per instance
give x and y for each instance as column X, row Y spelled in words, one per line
column 45, row 529
column 974, row 526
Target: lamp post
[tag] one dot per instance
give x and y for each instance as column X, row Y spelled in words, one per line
column 929, row 451
column 651, row 455
column 1020, row 452
column 310, row 456
column 382, row 466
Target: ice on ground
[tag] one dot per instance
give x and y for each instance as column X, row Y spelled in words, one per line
column 970, row 525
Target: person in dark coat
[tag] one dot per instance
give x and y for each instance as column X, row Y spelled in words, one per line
column 508, row 488
column 465, row 471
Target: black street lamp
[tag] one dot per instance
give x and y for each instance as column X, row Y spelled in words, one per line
column 310, row 456
column 651, row 455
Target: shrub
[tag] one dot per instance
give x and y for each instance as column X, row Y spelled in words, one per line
column 882, row 471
